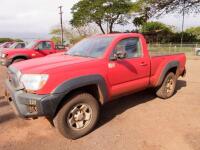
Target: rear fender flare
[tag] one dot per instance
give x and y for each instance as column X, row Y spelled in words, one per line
column 166, row 69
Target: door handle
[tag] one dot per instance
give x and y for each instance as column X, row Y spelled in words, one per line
column 143, row 64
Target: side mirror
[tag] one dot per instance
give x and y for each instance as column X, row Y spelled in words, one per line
column 119, row 55
column 37, row 48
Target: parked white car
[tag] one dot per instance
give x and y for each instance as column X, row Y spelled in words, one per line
column 197, row 51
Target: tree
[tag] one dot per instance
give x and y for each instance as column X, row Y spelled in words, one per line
column 18, row 40
column 157, row 32
column 101, row 12
column 188, row 37
column 2, row 40
column 142, row 9
column 194, row 31
column 155, row 27
column 168, row 6
column 73, row 34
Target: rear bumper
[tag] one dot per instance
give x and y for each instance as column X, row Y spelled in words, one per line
column 28, row 105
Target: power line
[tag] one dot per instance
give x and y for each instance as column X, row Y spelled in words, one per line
column 61, row 25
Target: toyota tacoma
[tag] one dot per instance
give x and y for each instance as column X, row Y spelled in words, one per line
column 70, row 88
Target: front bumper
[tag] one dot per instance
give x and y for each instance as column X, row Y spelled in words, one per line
column 5, row 62
column 28, row 105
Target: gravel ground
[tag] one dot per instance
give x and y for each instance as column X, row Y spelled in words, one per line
column 139, row 122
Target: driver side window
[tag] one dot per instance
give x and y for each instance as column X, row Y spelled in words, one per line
column 44, row 46
column 131, row 46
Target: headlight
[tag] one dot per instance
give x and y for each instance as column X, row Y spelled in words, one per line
column 3, row 55
column 34, row 82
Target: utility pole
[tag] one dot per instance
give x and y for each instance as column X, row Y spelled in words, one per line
column 61, row 25
column 183, row 22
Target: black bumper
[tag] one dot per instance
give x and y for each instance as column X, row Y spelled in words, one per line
column 44, row 105
column 5, row 62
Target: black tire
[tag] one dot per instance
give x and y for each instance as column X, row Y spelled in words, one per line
column 167, row 89
column 62, row 121
column 18, row 60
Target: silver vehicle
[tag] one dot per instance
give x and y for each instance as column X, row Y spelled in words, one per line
column 197, row 51
column 17, row 45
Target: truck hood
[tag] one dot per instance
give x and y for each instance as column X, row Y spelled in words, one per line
column 40, row 65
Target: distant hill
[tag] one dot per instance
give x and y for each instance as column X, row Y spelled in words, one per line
column 25, row 36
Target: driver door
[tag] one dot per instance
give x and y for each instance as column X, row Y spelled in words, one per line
column 131, row 73
column 44, row 48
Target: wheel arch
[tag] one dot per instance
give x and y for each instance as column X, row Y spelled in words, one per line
column 92, row 84
column 170, row 67
column 20, row 57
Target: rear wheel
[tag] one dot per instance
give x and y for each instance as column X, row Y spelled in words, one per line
column 78, row 116
column 167, row 89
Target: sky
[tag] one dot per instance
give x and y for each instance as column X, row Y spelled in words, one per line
column 29, row 19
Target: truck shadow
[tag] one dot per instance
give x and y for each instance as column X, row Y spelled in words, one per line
column 1, row 97
column 180, row 85
column 118, row 106
column 3, row 103
column 7, row 117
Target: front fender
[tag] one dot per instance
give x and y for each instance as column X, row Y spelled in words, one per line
column 72, row 84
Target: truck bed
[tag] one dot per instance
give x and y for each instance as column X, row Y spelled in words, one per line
column 159, row 61
column 161, row 53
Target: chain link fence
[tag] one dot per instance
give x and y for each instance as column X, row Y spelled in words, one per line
column 160, row 49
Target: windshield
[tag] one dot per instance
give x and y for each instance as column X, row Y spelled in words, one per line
column 31, row 45
column 91, row 47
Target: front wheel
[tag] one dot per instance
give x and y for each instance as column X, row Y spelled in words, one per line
column 167, row 89
column 18, row 60
column 78, row 116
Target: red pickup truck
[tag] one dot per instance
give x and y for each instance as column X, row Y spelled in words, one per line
column 69, row 88
column 35, row 49
column 6, row 45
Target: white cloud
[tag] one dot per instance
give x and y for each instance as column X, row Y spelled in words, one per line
column 31, row 16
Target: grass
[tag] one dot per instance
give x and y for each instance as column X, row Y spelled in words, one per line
column 172, row 48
